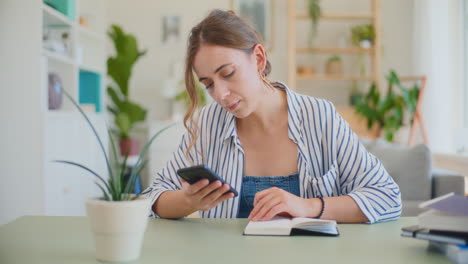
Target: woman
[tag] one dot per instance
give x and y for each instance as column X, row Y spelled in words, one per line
column 287, row 154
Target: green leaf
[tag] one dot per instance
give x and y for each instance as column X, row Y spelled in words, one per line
column 134, row 111
column 113, row 148
column 85, row 168
column 392, row 78
column 119, row 67
column 112, row 110
column 124, row 124
column 114, row 96
column 143, row 153
column 121, row 175
column 92, row 128
column 104, row 193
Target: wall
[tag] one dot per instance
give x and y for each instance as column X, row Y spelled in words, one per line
column 436, row 53
column 21, row 133
column 143, row 18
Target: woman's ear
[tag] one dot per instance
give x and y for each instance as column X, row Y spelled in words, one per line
column 260, row 57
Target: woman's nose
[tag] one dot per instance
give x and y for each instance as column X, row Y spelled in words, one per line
column 221, row 92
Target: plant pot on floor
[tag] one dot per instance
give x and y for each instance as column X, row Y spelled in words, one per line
column 129, row 146
column 118, row 228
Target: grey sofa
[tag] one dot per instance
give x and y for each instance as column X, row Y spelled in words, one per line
column 411, row 168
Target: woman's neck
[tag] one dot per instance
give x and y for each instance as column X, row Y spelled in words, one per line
column 271, row 112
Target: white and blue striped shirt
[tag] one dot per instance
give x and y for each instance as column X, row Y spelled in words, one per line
column 331, row 160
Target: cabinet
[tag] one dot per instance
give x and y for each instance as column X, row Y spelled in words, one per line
column 35, row 135
column 297, row 49
column 73, row 47
column 82, row 67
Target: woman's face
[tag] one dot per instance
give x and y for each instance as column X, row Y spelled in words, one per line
column 231, row 77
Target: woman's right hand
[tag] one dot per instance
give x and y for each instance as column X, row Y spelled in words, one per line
column 202, row 195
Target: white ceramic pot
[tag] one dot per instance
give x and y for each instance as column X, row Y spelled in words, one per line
column 118, row 228
column 365, row 43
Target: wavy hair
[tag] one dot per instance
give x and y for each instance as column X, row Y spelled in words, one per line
column 221, row 28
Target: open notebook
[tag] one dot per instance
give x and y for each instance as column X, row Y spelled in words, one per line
column 282, row 226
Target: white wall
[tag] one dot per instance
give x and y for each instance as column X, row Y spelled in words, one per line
column 21, row 133
column 436, row 53
column 143, row 18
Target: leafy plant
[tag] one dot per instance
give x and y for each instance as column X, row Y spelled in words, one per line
column 183, row 95
column 119, row 68
column 362, row 32
column 314, row 14
column 334, row 58
column 388, row 111
column 117, row 187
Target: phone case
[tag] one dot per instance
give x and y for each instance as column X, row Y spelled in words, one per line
column 196, row 173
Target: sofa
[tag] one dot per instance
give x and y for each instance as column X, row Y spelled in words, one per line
column 411, row 168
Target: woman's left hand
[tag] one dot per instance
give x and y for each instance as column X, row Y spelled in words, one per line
column 275, row 201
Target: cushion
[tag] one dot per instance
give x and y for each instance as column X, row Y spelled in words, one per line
column 410, row 167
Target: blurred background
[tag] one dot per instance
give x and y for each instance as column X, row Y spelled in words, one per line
column 395, row 69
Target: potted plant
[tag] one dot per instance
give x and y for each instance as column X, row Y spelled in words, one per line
column 363, row 35
column 183, row 98
column 118, row 219
column 334, row 65
column 126, row 112
column 388, row 111
column 356, row 94
column 314, row 14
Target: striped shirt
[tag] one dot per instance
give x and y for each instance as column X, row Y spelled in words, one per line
column 331, row 160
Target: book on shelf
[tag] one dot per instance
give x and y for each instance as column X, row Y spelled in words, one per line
column 282, row 226
column 448, row 212
column 450, row 237
column 456, row 253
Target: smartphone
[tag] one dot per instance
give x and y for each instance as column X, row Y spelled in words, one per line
column 199, row 172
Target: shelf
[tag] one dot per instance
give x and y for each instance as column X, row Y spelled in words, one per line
column 90, row 89
column 91, row 34
column 88, row 68
column 53, row 17
column 57, row 57
column 324, row 77
column 61, row 113
column 349, row 50
column 337, row 16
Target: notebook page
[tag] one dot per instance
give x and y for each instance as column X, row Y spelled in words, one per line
column 318, row 225
column 276, row 226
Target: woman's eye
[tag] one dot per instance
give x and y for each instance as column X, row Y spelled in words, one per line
column 209, row 86
column 229, row 75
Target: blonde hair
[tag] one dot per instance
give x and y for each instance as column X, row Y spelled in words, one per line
column 221, row 28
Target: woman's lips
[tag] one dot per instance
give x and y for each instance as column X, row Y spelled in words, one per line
column 233, row 106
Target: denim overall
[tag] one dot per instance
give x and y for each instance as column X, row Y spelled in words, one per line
column 253, row 184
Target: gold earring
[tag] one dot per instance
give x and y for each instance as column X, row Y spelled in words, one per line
column 264, row 79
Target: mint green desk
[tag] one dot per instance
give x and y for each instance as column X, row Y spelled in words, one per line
column 49, row 239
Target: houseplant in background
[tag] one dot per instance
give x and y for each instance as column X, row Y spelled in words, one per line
column 363, row 35
column 355, row 95
column 334, row 65
column 118, row 219
column 388, row 111
column 314, row 14
column 183, row 98
column 119, row 67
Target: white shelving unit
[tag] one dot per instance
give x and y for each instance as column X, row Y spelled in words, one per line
column 39, row 135
column 67, row 136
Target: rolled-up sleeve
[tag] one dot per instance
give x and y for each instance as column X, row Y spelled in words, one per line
column 167, row 179
column 363, row 177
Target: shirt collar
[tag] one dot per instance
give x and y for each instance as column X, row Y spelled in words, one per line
column 294, row 116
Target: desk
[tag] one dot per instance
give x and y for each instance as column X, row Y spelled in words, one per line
column 56, row 239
